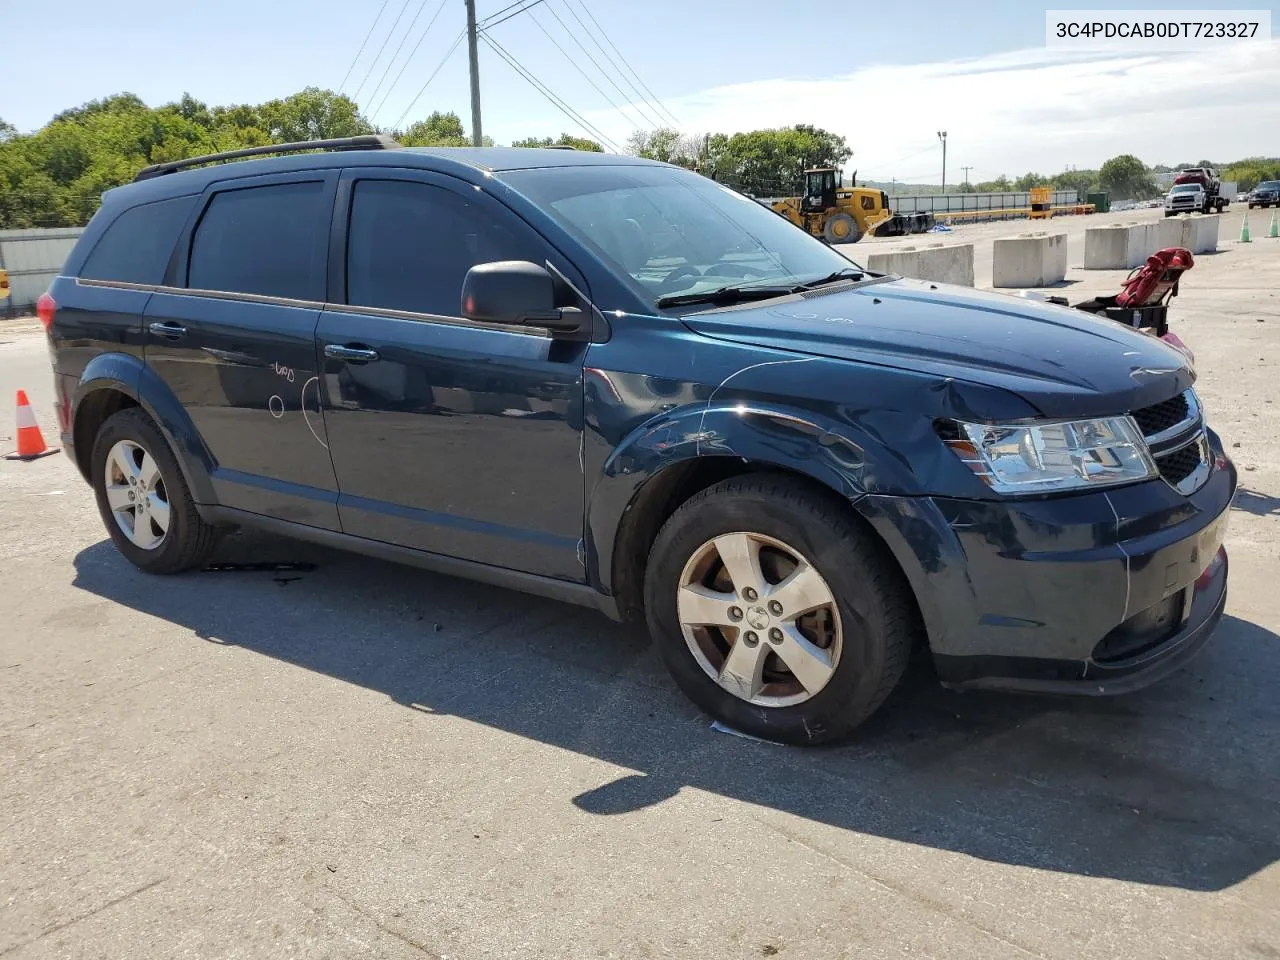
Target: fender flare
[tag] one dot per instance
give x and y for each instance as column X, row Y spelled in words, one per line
column 128, row 374
column 833, row 455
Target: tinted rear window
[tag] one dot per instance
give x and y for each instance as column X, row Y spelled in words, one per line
column 137, row 246
column 263, row 240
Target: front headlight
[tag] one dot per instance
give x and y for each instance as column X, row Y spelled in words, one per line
column 1021, row 458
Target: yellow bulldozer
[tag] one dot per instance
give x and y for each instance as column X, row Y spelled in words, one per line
column 839, row 214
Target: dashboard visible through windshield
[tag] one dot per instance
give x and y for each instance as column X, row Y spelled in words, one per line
column 679, row 236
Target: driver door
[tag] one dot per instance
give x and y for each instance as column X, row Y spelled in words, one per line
column 447, row 435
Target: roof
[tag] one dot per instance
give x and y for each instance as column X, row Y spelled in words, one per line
column 461, row 161
column 501, row 159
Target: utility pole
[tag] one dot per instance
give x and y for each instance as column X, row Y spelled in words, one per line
column 942, row 135
column 477, row 137
column 966, row 174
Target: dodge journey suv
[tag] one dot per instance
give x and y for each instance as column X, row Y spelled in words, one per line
column 619, row 383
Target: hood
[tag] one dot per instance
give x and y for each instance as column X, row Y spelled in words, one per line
column 1064, row 362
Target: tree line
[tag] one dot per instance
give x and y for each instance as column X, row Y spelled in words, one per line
column 55, row 176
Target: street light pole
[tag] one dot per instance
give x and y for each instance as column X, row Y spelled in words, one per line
column 942, row 135
column 477, row 138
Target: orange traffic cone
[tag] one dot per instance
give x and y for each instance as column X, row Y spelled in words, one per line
column 30, row 440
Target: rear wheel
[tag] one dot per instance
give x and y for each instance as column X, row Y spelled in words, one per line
column 143, row 497
column 776, row 612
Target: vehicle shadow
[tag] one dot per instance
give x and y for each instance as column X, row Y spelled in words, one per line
column 1172, row 786
column 1259, row 504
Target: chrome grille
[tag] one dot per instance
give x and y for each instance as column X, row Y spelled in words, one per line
column 1158, row 417
column 1175, row 435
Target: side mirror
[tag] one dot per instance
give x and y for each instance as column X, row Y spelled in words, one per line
column 518, row 293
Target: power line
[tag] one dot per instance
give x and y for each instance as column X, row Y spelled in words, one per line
column 656, row 103
column 385, row 40
column 445, row 59
column 363, row 42
column 404, row 66
column 491, row 22
column 497, row 13
column 542, row 88
column 586, row 76
column 403, row 40
column 606, row 73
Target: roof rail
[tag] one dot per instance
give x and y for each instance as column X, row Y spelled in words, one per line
column 370, row 142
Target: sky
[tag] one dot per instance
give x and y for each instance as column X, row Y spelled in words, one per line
column 885, row 76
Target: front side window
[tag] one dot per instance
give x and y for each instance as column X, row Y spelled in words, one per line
column 674, row 232
column 410, row 245
column 262, row 240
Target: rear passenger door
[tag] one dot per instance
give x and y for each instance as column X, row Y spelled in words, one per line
column 450, row 436
column 233, row 335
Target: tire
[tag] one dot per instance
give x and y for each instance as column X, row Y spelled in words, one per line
column 185, row 540
column 870, row 649
column 841, row 228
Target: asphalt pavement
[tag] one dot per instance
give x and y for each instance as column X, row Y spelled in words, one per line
column 366, row 760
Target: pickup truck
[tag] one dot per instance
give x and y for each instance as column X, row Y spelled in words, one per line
column 1215, row 198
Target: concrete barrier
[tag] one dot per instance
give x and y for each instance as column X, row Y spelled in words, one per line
column 1197, row 233
column 1179, row 231
column 1029, row 260
column 941, row 263
column 1121, row 246
column 1205, row 239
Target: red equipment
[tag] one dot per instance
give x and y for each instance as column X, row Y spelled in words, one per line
column 1157, row 279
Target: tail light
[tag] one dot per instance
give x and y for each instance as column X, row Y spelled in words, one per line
column 45, row 309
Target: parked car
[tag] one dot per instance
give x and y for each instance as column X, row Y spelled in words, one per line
column 794, row 470
column 1265, row 194
column 1184, row 198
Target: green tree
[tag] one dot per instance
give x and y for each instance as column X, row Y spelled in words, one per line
column 771, row 162
column 1000, row 184
column 313, row 114
column 56, row 175
column 664, row 144
column 1127, row 178
column 7, row 130
column 1081, row 181
column 1247, row 174
column 564, row 140
column 437, row 130
column 1029, row 180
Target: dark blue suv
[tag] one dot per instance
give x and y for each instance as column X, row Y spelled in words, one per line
column 621, row 384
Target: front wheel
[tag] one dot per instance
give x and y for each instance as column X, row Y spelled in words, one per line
column 776, row 612
column 143, row 497
column 841, row 228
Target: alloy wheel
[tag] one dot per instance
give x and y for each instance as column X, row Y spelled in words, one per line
column 136, row 494
column 759, row 619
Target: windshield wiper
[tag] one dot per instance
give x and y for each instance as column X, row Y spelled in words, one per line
column 844, row 273
column 730, row 294
column 738, row 293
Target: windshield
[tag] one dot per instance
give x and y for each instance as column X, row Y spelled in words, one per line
column 676, row 233
column 1187, row 188
column 1270, row 185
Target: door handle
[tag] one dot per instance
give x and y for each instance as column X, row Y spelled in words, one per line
column 336, row 351
column 168, row 330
